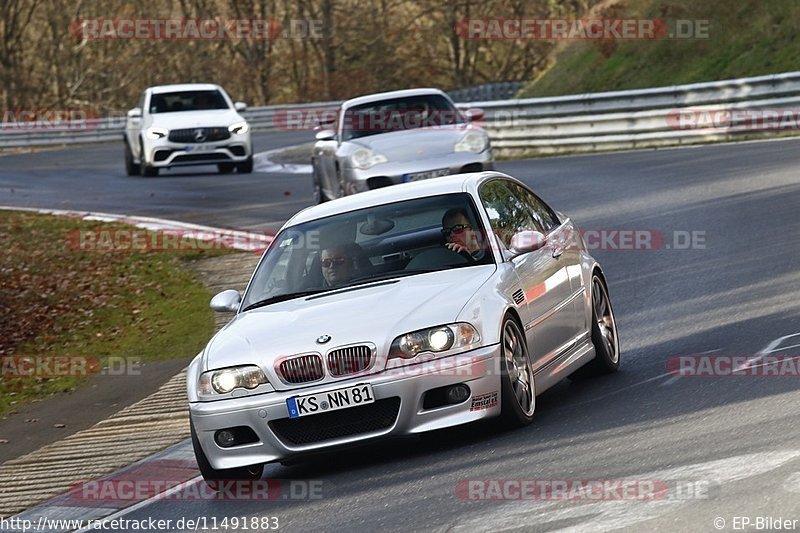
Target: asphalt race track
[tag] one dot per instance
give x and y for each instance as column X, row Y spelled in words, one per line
column 736, row 291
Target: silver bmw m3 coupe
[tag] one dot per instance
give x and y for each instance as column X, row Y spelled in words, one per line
column 394, row 312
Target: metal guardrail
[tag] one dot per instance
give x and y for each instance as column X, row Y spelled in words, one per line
column 521, row 127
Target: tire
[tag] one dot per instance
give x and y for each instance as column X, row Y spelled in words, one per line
column 212, row 475
column 246, row 167
column 225, row 168
column 131, row 168
column 517, row 385
column 145, row 170
column 604, row 333
column 316, row 187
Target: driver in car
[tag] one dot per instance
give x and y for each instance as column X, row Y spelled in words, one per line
column 461, row 235
column 337, row 265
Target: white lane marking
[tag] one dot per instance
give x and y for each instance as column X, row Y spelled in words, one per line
column 617, row 391
column 676, row 377
column 782, row 348
column 608, row 515
column 769, row 348
column 144, row 503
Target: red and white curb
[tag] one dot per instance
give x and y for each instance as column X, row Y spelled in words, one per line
column 246, row 241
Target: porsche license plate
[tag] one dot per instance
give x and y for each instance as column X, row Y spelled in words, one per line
column 418, row 176
column 323, row 402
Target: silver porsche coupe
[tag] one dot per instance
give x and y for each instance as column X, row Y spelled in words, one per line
column 399, row 311
column 396, row 137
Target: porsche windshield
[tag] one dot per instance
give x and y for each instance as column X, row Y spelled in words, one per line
column 398, row 114
column 383, row 242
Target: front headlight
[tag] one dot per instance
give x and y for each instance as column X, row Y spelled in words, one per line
column 363, row 158
column 240, row 128
column 157, row 133
column 447, row 338
column 225, row 380
column 472, row 142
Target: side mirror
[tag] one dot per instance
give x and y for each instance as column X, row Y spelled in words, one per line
column 226, row 301
column 474, row 114
column 240, row 106
column 527, row 241
column 136, row 112
column 325, row 135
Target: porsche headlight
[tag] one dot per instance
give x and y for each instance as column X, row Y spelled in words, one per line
column 364, row 159
column 240, row 128
column 472, row 142
column 156, row 133
column 225, row 380
column 440, row 339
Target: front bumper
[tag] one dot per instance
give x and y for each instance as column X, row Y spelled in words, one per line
column 163, row 153
column 394, row 172
column 477, row 369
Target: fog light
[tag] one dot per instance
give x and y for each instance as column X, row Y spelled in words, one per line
column 225, row 438
column 457, row 393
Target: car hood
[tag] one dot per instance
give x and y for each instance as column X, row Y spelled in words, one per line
column 416, row 143
column 376, row 313
column 194, row 119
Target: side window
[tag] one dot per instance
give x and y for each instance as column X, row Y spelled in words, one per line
column 541, row 212
column 507, row 214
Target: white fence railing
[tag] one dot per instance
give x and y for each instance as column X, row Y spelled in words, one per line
column 663, row 116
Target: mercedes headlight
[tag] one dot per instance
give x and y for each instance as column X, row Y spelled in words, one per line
column 240, row 128
column 157, row 133
column 447, row 338
column 225, row 380
column 472, row 142
column 364, row 158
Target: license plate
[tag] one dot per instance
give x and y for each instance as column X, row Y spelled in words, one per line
column 324, row 402
column 428, row 174
column 199, row 148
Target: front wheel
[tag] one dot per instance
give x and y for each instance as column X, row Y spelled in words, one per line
column 316, row 188
column 518, row 390
column 246, row 167
column 144, row 169
column 212, row 475
column 604, row 333
column 131, row 168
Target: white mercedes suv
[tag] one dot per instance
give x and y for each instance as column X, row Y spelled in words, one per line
column 187, row 124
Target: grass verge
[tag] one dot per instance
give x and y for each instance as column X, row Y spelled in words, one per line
column 60, row 302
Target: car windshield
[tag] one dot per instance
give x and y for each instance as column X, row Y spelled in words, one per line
column 398, row 114
column 374, row 244
column 187, row 101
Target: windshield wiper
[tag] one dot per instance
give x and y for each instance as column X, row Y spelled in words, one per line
column 282, row 298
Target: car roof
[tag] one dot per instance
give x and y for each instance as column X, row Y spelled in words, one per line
column 389, row 95
column 396, row 193
column 183, row 87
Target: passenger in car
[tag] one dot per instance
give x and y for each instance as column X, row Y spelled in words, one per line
column 343, row 262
